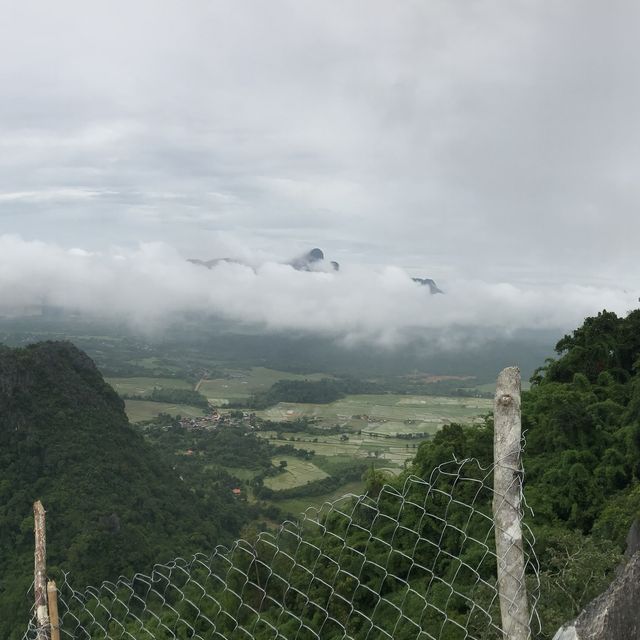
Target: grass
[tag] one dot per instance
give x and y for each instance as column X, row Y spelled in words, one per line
column 140, row 386
column 243, row 383
column 298, row 472
column 138, row 410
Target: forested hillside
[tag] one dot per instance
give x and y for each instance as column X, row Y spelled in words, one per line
column 114, row 504
column 581, row 421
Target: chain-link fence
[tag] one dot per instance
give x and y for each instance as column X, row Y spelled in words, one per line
column 416, row 562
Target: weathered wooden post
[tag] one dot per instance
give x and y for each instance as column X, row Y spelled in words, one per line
column 40, row 572
column 54, row 620
column 507, row 511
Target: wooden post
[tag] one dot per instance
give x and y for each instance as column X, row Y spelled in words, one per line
column 52, row 596
column 40, row 572
column 507, row 486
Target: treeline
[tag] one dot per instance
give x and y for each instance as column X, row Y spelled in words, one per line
column 322, row 391
column 171, row 395
column 290, row 450
column 178, row 396
column 417, row 385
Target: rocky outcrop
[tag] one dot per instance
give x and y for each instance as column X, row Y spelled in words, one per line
column 614, row 614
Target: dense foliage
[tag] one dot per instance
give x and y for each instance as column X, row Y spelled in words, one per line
column 114, row 505
column 228, row 447
column 582, row 459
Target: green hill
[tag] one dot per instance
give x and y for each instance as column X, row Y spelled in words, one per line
column 581, row 421
column 114, row 505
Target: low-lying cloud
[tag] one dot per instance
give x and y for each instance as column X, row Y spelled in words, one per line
column 153, row 286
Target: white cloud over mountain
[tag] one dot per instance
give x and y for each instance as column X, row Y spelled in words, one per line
column 153, row 286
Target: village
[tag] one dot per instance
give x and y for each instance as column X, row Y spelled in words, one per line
column 214, row 419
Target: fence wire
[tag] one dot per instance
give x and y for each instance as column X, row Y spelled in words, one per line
column 416, row 563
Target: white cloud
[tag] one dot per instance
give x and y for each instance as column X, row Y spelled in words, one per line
column 153, row 285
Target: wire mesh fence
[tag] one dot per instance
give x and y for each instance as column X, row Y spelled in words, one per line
column 415, row 562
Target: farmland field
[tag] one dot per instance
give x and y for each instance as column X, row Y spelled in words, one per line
column 297, row 472
column 138, row 410
column 140, row 386
column 427, row 413
column 241, row 384
column 380, row 426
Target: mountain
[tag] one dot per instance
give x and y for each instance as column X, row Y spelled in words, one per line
column 304, row 262
column 428, row 282
column 114, row 505
column 309, row 261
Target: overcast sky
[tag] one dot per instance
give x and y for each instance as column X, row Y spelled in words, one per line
column 469, row 141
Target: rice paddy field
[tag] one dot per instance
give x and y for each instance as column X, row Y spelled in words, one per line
column 242, row 383
column 389, row 451
column 140, row 386
column 385, row 428
column 385, row 414
column 138, row 410
column 297, row 472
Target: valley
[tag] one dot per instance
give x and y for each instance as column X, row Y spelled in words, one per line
column 214, row 449
column 381, row 430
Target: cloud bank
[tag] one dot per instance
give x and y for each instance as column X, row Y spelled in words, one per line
column 153, row 286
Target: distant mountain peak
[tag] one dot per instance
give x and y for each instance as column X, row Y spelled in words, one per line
column 310, row 261
column 305, row 261
column 428, row 282
column 301, row 263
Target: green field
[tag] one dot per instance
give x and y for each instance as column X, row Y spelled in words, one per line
column 393, row 451
column 241, row 384
column 138, row 410
column 388, row 412
column 297, row 472
column 374, row 422
column 140, row 386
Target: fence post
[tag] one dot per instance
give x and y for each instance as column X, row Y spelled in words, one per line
column 52, row 597
column 507, row 512
column 40, row 571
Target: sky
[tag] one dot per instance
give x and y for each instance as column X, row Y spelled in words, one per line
column 492, row 145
